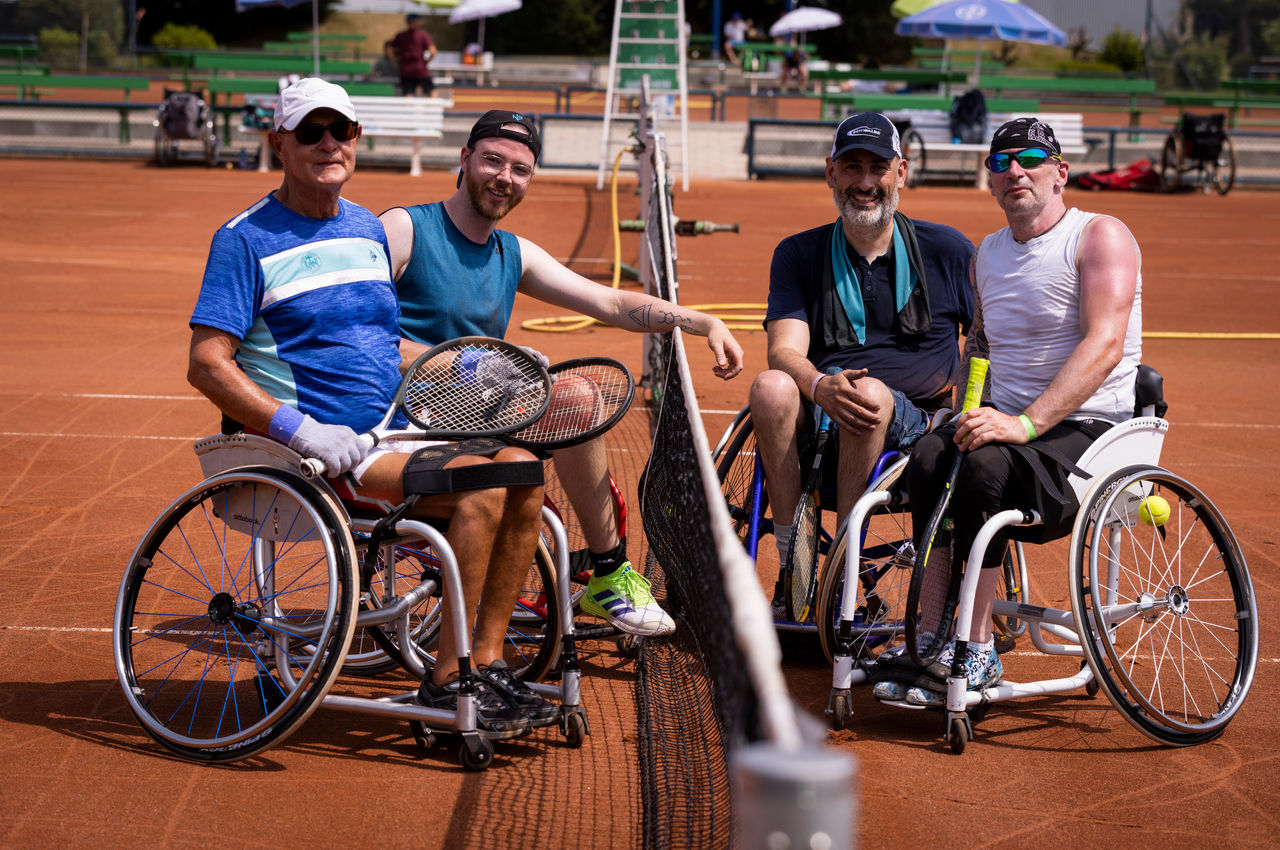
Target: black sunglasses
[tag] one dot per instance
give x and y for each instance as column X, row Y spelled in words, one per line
column 998, row 163
column 342, row 131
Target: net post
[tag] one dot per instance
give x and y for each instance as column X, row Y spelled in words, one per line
column 794, row 798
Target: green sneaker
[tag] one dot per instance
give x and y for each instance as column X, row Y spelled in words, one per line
column 624, row 599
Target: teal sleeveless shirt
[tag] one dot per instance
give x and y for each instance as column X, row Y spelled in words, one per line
column 453, row 287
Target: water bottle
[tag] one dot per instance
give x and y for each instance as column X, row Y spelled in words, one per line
column 244, row 159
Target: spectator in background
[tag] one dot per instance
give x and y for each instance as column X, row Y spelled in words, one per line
column 415, row 50
column 735, row 35
column 387, row 67
column 794, row 69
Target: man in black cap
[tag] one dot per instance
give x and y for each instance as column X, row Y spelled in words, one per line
column 875, row 297
column 457, row 274
column 1059, row 315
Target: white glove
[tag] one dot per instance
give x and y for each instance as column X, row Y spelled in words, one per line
column 337, row 446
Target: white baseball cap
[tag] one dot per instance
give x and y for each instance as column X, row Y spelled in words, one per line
column 307, row 95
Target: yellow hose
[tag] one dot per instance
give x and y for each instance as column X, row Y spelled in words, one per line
column 564, row 324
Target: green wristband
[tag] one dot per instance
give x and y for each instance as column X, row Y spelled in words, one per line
column 1029, row 425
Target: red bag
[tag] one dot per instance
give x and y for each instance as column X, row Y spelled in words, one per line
column 1137, row 175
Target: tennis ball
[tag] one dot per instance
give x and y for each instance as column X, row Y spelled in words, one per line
column 575, row 407
column 1154, row 510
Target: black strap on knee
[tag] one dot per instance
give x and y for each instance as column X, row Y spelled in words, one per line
column 425, row 473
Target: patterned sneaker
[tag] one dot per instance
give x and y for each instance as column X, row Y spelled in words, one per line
column 891, row 691
column 624, row 599
column 517, row 694
column 494, row 716
column 917, row 695
column 983, row 668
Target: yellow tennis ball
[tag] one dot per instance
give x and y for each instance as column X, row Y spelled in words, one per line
column 1154, row 510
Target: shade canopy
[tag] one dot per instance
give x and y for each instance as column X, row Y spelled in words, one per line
column 805, row 19
column 982, row 19
column 472, row 10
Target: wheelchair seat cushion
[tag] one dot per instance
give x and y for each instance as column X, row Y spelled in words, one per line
column 425, row 473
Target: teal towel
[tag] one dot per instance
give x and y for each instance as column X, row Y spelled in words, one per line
column 846, row 280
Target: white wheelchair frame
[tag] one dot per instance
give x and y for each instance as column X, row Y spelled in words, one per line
column 1124, row 467
column 239, row 464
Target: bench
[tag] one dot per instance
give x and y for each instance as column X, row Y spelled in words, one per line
column 414, row 118
column 29, row 85
column 836, row 105
column 934, row 128
column 1090, row 87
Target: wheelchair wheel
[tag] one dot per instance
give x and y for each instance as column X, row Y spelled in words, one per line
column 166, row 149
column 735, row 466
column 913, row 150
column 1222, row 171
column 533, row 635
column 885, row 576
column 212, row 144
column 1012, row 587
column 579, row 554
column 1171, row 162
column 234, row 614
column 1165, row 612
column 376, row 649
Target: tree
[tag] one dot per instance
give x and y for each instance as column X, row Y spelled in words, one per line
column 1241, row 21
column 99, row 24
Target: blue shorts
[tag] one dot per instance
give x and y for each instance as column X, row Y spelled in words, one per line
column 909, row 423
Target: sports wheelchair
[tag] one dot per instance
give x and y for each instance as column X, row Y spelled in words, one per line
column 1200, row 144
column 1163, row 611
column 237, row 612
column 184, row 115
column 885, row 541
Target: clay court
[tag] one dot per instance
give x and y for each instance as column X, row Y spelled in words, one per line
column 101, row 264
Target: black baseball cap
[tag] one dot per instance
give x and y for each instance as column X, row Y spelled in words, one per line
column 495, row 124
column 1025, row 133
column 868, row 131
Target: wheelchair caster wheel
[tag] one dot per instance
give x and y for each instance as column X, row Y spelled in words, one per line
column 1090, row 687
column 424, row 737
column 841, row 709
column 978, row 713
column 629, row 645
column 476, row 753
column 959, row 733
column 575, row 730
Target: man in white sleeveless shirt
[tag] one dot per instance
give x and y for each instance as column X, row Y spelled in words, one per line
column 1058, row 295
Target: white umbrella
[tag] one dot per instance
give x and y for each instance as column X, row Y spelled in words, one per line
column 471, row 10
column 804, row 19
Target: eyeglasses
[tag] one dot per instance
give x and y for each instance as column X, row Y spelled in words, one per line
column 342, row 131
column 491, row 163
column 998, row 163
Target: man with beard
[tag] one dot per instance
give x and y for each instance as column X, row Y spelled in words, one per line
column 863, row 321
column 457, row 274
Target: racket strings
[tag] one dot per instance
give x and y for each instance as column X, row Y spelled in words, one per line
column 583, row 399
column 501, row 396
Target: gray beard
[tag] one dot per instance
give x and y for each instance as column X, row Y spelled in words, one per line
column 871, row 220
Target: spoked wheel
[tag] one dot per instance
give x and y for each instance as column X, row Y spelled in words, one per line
column 235, row 613
column 1171, row 162
column 914, row 151
column 1222, row 171
column 735, row 465
column 1012, row 587
column 212, row 145
column 166, row 149
column 1164, row 605
column 887, row 555
column 579, row 554
column 378, row 648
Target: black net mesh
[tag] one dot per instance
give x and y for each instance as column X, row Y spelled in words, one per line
column 694, row 698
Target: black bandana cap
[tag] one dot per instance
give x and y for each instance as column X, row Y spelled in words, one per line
column 493, row 124
column 1025, row 133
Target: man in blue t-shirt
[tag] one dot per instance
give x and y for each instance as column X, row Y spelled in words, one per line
column 878, row 299
column 295, row 335
column 456, row 274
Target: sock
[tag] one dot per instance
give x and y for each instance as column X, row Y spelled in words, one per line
column 782, row 534
column 987, row 647
column 604, row 563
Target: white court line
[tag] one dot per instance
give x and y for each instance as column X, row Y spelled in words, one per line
column 45, row 435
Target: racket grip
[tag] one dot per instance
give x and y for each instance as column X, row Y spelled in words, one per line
column 977, row 380
column 314, row 467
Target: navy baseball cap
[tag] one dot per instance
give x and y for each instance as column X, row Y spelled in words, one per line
column 868, row 131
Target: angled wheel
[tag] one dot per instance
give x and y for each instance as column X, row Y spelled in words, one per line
column 1222, row 172
column 887, row 555
column 166, row 148
column 1165, row 610
column 743, row 489
column 1012, row 587
column 914, row 151
column 1171, row 162
column 234, row 614
column 579, row 554
column 212, row 144
column 376, row 648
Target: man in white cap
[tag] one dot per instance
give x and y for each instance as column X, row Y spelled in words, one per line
column 863, row 320
column 295, row 335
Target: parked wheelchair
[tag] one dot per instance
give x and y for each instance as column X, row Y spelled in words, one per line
column 184, row 116
column 1199, row 145
column 1163, row 613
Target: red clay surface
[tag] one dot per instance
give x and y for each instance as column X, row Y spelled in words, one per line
column 101, row 266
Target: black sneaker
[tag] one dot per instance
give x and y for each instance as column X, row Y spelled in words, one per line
column 494, row 716
column 517, row 694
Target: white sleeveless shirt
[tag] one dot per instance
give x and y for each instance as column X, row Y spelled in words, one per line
column 1030, row 298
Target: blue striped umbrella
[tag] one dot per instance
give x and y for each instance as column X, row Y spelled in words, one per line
column 982, row 19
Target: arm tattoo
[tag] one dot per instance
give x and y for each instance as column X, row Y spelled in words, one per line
column 640, row 315
column 644, row 317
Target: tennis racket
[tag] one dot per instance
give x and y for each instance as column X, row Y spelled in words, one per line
column 800, row 572
column 927, row 632
column 473, row 386
column 589, row 395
